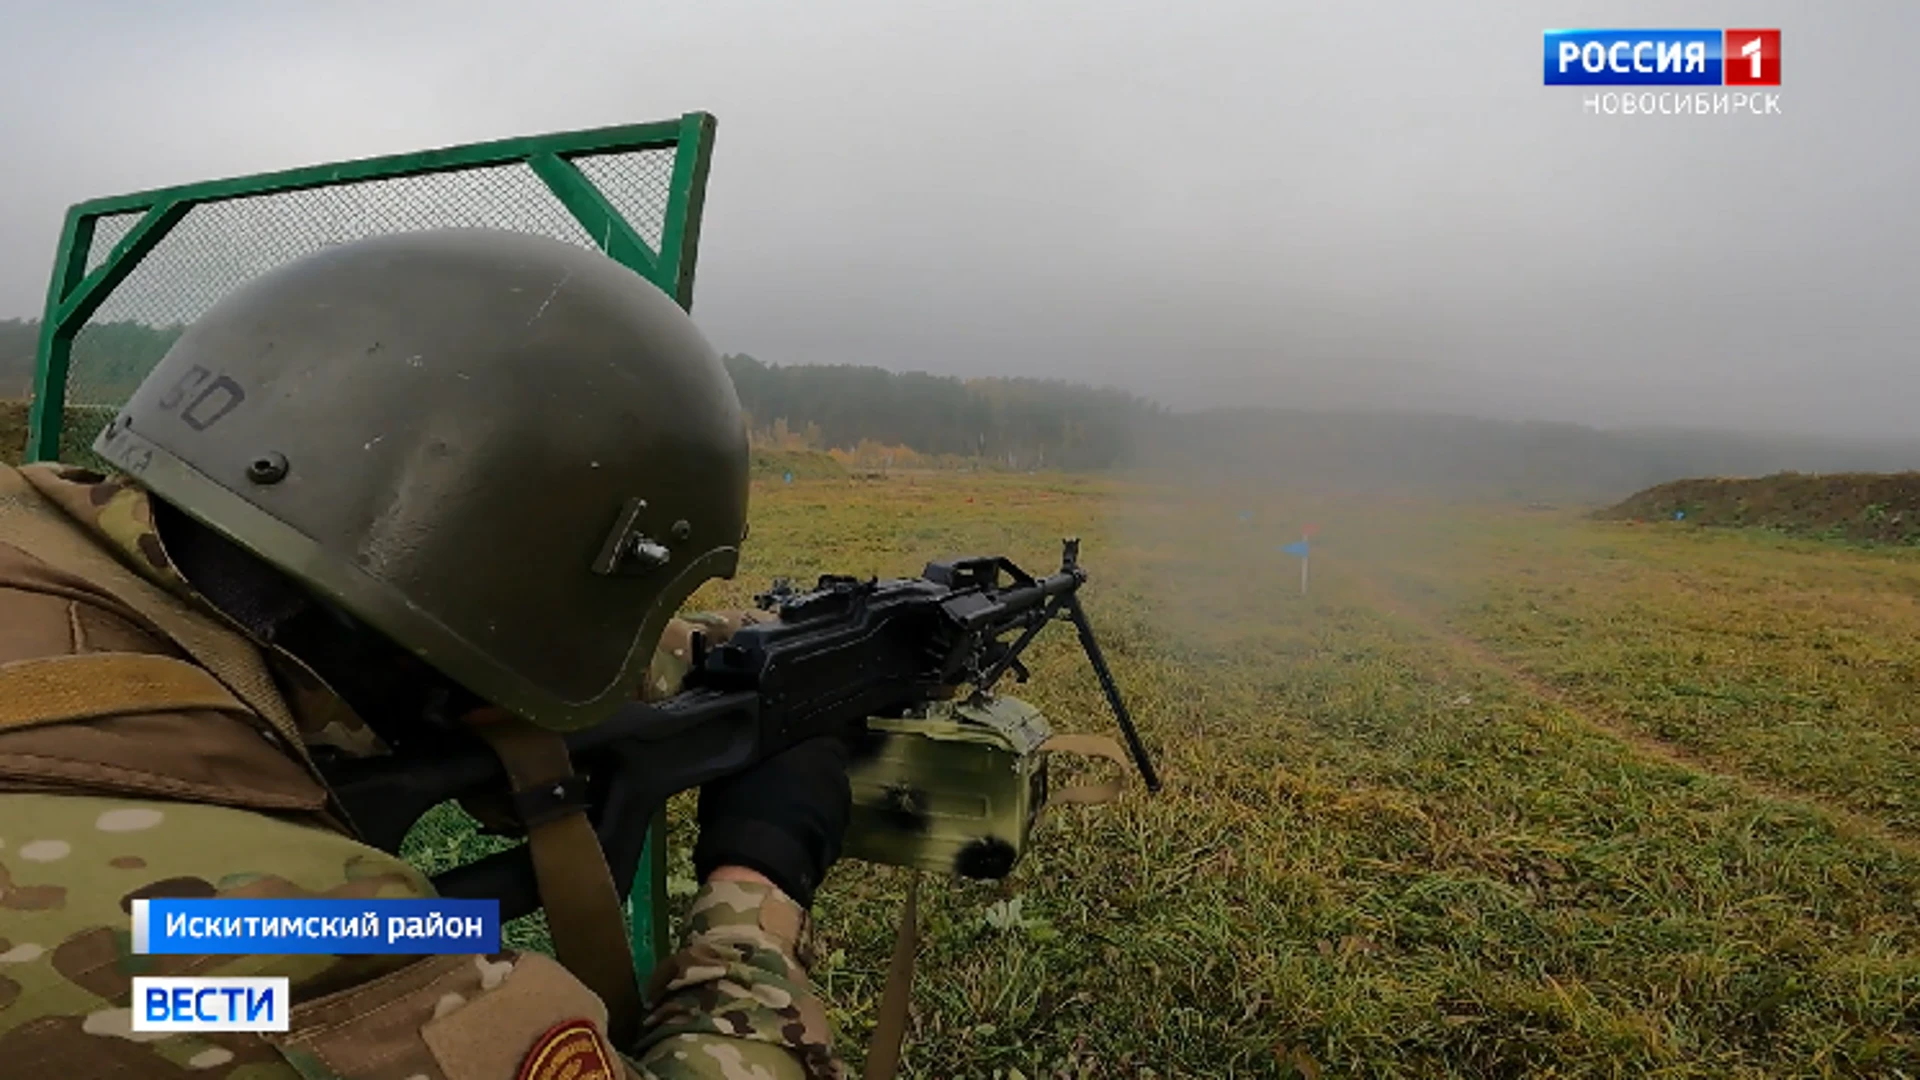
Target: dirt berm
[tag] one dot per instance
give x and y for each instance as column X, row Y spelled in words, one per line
column 1880, row 508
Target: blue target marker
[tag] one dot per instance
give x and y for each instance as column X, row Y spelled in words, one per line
column 1300, row 549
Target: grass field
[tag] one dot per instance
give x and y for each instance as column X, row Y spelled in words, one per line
column 1509, row 794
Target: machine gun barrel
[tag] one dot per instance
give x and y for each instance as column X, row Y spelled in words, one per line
column 1023, row 599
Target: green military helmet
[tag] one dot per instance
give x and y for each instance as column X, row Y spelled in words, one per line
column 510, row 455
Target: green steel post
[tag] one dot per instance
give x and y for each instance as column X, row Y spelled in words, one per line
column 686, row 204
column 47, row 410
column 679, row 246
column 145, row 235
column 647, row 902
column 604, row 224
column 66, row 313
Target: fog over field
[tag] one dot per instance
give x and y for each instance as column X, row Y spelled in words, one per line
column 1368, row 205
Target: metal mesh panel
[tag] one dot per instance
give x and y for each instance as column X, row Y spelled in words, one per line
column 107, row 232
column 636, row 184
column 219, row 245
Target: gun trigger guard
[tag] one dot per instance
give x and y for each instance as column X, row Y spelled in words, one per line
column 536, row 806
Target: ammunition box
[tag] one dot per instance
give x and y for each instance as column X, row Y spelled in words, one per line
column 953, row 788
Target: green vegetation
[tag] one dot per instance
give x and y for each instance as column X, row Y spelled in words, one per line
column 1509, row 794
column 13, row 430
column 109, row 358
column 776, row 463
column 18, row 339
column 83, row 422
column 108, row 361
column 1028, row 423
column 1867, row 508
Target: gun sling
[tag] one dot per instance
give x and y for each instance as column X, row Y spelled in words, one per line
column 890, row 1027
column 576, row 885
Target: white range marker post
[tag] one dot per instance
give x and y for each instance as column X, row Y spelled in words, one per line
column 1301, row 550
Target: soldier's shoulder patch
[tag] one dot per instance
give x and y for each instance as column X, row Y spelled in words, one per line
column 571, row 1049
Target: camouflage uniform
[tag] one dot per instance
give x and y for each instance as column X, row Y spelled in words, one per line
column 98, row 812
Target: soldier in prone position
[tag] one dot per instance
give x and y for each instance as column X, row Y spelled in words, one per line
column 379, row 482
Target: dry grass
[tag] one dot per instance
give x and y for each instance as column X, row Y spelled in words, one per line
column 83, row 422
column 13, row 430
column 1509, row 795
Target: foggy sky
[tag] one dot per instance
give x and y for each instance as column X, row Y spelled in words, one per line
column 1327, row 204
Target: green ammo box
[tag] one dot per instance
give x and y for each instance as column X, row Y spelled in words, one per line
column 955, row 788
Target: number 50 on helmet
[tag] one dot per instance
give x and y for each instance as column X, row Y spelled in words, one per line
column 510, row 455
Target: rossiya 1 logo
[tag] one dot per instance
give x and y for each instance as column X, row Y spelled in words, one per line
column 1668, row 58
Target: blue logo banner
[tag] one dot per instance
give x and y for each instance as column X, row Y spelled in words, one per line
column 211, row 1003
column 1633, row 57
column 234, row 927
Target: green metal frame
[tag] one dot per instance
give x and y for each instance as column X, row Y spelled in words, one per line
column 74, row 294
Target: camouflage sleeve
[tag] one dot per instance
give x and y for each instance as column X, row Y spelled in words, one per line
column 735, row 1002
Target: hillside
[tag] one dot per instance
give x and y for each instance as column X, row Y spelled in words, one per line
column 1460, row 457
column 1029, row 423
column 1878, row 508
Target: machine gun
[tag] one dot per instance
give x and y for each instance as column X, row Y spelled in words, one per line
column 842, row 657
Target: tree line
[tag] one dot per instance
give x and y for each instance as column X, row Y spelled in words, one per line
column 1020, row 423
column 107, row 361
column 872, row 415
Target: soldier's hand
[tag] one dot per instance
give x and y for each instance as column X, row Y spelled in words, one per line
column 784, row 818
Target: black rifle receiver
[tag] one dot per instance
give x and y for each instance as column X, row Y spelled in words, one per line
column 839, row 654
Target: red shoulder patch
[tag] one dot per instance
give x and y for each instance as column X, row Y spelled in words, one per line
column 572, row 1050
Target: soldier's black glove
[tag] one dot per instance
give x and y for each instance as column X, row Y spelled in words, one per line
column 784, row 818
